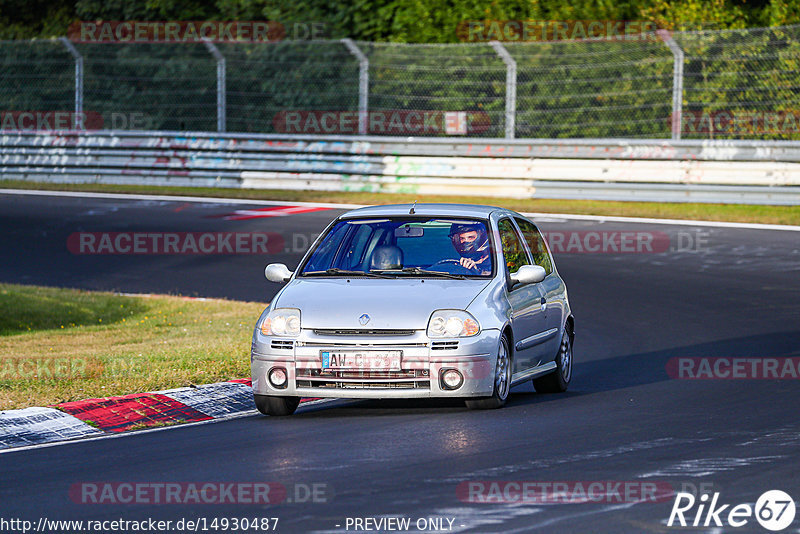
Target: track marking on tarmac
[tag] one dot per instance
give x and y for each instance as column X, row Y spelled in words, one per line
column 330, row 205
column 278, row 211
column 174, row 198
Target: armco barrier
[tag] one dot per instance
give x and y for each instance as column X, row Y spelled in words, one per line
column 762, row 172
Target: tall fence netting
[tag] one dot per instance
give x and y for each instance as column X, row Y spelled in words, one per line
column 732, row 84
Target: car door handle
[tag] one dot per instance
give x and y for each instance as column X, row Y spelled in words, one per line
column 543, row 301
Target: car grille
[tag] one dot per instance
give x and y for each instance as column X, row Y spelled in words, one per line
column 444, row 345
column 343, row 344
column 405, row 379
column 362, row 332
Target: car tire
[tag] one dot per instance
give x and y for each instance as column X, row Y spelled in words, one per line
column 558, row 380
column 502, row 381
column 271, row 405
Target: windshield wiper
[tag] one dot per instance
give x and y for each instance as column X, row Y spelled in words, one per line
column 347, row 272
column 417, row 270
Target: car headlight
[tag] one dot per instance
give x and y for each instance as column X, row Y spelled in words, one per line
column 282, row 322
column 452, row 323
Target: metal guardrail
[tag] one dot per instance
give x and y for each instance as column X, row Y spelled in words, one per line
column 721, row 150
column 759, row 172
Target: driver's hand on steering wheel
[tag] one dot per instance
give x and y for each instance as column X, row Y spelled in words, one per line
column 468, row 263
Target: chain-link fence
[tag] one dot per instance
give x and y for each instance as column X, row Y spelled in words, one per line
column 687, row 85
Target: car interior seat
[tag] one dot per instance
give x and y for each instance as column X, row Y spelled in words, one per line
column 386, row 257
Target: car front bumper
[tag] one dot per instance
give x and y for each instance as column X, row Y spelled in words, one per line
column 422, row 361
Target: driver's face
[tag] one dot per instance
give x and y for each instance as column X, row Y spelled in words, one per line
column 468, row 237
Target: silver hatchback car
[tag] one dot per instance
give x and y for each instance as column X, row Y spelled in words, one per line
column 410, row 301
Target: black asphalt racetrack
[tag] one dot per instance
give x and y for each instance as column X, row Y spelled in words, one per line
column 712, row 292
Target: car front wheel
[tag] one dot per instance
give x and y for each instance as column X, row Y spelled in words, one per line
column 502, row 381
column 271, row 405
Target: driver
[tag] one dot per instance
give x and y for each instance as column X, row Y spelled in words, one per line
column 472, row 243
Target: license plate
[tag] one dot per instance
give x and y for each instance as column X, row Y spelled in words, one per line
column 365, row 360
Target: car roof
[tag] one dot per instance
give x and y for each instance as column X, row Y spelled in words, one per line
column 431, row 209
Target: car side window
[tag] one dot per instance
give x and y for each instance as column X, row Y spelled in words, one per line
column 513, row 250
column 537, row 245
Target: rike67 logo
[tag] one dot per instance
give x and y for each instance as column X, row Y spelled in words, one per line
column 774, row 510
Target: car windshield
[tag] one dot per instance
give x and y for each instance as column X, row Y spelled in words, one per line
column 405, row 246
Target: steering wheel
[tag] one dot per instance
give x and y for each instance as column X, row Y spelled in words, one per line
column 459, row 269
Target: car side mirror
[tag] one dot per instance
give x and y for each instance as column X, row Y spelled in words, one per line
column 528, row 274
column 278, row 272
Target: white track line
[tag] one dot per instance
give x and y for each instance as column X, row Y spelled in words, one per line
column 176, row 198
column 680, row 222
column 216, row 200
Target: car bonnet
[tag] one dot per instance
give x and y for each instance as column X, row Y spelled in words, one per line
column 401, row 303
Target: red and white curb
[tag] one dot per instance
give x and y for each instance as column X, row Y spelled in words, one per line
column 32, row 426
column 113, row 415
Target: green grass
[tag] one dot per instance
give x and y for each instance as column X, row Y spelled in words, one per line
column 27, row 309
column 59, row 345
column 665, row 210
